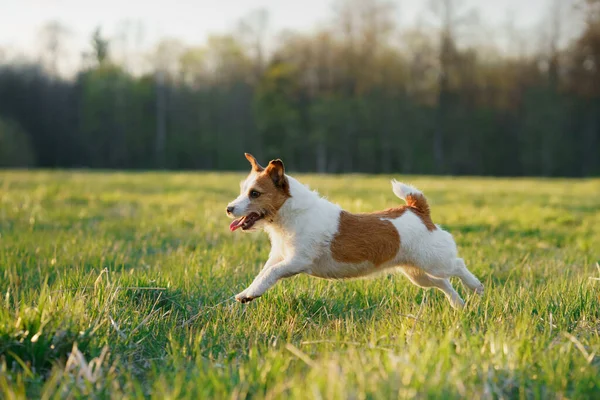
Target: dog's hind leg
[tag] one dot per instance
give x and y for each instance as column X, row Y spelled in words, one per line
column 467, row 278
column 420, row 278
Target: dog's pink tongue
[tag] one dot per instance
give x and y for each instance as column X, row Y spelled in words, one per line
column 236, row 224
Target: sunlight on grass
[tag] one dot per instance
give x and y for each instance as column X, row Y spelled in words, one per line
column 118, row 284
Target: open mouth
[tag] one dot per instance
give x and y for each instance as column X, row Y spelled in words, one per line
column 246, row 222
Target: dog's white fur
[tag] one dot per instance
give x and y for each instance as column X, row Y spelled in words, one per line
column 302, row 230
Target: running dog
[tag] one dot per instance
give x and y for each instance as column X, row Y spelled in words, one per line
column 311, row 235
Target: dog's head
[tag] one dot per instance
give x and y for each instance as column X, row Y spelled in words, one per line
column 262, row 194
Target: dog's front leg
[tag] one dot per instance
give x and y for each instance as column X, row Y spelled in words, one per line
column 269, row 276
column 274, row 258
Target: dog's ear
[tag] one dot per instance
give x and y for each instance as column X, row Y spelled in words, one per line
column 276, row 171
column 255, row 165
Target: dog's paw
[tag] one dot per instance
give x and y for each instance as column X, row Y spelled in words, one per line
column 479, row 289
column 244, row 298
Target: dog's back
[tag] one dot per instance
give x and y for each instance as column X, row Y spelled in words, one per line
column 370, row 242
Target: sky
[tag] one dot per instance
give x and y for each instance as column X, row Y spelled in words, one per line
column 193, row 20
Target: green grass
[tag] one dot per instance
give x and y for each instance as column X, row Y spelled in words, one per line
column 134, row 269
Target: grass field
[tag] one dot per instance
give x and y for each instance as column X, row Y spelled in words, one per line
column 136, row 270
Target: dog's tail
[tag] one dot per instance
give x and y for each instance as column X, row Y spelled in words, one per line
column 412, row 196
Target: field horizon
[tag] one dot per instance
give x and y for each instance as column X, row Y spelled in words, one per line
column 119, row 285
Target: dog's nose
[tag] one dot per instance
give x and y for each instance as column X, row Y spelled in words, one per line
column 230, row 209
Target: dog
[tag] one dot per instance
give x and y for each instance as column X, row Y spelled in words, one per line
column 311, row 235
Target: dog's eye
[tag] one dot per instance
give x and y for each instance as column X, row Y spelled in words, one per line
column 254, row 194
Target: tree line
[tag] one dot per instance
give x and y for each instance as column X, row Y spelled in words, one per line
column 358, row 95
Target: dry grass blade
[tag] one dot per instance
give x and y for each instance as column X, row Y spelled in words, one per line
column 588, row 357
column 416, row 319
column 121, row 334
column 197, row 315
column 298, row 353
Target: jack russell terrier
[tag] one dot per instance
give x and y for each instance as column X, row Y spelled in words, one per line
column 314, row 236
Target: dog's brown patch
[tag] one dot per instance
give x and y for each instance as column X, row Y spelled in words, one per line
column 420, row 209
column 390, row 213
column 419, row 205
column 274, row 189
column 365, row 237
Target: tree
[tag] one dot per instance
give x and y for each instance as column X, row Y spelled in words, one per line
column 100, row 46
column 52, row 37
column 450, row 17
column 584, row 81
column 252, row 34
column 15, row 146
column 277, row 112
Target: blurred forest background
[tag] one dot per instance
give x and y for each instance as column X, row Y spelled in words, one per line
column 359, row 93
